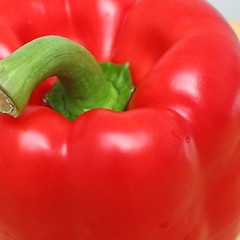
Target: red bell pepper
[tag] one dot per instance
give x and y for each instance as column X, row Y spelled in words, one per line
column 166, row 168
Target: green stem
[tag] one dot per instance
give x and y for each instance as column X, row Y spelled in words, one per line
column 83, row 85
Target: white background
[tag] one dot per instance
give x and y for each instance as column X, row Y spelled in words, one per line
column 230, row 9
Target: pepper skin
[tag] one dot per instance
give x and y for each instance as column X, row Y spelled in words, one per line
column 167, row 168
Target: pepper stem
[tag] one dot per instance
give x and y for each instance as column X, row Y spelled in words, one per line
column 82, row 83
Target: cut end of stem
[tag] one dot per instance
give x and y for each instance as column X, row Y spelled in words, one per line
column 6, row 105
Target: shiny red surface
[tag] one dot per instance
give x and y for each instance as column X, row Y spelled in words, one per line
column 168, row 168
